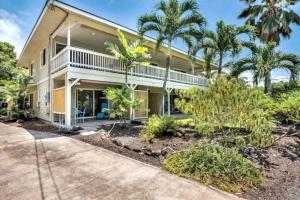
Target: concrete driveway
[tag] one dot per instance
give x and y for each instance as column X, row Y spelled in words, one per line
column 36, row 165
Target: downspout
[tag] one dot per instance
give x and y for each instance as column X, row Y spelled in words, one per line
column 52, row 7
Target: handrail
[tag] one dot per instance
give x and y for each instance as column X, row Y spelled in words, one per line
column 83, row 58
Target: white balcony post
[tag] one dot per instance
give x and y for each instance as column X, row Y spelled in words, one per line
column 68, row 87
column 169, row 90
column 69, row 44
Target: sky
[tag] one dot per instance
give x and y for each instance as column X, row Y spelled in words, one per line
column 17, row 18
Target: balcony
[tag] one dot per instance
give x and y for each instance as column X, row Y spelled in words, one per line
column 86, row 59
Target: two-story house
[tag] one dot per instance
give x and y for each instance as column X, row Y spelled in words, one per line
column 66, row 55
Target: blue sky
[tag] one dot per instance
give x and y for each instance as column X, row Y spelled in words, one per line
column 17, row 18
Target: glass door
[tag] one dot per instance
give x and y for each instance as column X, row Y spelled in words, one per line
column 85, row 101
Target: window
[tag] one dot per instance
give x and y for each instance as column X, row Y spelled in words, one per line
column 31, row 100
column 43, row 58
column 59, row 47
column 31, row 69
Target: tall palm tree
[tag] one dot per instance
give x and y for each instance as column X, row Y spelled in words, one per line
column 263, row 60
column 129, row 52
column 172, row 20
column 209, row 55
column 272, row 18
column 225, row 41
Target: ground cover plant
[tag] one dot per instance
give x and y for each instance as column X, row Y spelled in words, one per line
column 159, row 126
column 215, row 165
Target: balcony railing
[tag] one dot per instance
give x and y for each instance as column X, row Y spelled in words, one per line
column 86, row 59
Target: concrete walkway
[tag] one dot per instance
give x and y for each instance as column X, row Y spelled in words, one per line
column 35, row 165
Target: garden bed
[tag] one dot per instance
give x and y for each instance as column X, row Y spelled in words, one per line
column 279, row 164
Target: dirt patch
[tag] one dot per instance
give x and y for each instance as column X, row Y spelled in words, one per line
column 280, row 165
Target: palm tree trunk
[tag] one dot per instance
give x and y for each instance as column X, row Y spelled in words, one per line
column 163, row 91
column 220, row 63
column 268, row 86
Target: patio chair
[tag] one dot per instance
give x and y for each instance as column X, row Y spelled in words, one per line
column 81, row 114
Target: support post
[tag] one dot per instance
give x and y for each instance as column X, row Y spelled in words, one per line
column 169, row 90
column 67, row 102
column 132, row 87
column 51, row 98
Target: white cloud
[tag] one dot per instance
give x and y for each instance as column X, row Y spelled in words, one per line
column 10, row 30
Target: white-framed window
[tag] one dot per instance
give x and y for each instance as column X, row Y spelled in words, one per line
column 59, row 47
column 43, row 57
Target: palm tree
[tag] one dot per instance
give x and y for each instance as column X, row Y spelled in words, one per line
column 225, row 41
column 272, row 18
column 263, row 60
column 209, row 54
column 130, row 53
column 172, row 20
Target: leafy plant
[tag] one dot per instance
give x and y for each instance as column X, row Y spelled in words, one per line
column 213, row 164
column 172, row 20
column 228, row 103
column 284, row 87
column 264, row 59
column 272, row 19
column 224, row 41
column 130, row 53
column 159, row 126
column 121, row 100
column 289, row 107
column 189, row 122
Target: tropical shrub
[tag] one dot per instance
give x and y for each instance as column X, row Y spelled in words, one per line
column 213, row 164
column 121, row 100
column 159, row 126
column 228, row 103
column 284, row 87
column 189, row 122
column 288, row 110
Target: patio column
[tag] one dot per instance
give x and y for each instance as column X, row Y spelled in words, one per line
column 68, row 87
column 132, row 87
column 169, row 90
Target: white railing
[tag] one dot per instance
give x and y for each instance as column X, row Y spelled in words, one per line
column 82, row 58
column 59, row 61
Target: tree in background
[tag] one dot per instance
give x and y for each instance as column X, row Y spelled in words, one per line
column 13, row 80
column 8, row 61
column 272, row 18
column 129, row 53
column 172, row 20
column 225, row 41
column 263, row 60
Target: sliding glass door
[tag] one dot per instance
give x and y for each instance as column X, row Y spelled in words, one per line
column 85, row 101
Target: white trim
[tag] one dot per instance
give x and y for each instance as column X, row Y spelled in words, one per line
column 34, row 29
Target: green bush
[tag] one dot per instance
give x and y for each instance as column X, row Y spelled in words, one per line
column 159, row 126
column 238, row 142
column 185, row 122
column 284, row 87
column 228, row 104
column 289, row 107
column 213, row 164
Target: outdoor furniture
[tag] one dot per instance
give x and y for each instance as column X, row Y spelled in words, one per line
column 81, row 114
column 104, row 108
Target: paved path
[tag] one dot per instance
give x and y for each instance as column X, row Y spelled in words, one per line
column 35, row 165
